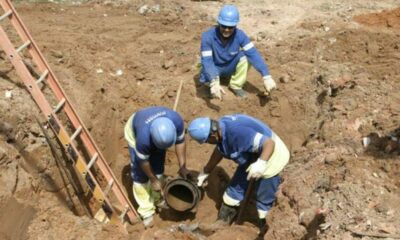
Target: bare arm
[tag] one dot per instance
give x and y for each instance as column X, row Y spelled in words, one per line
column 155, row 183
column 180, row 150
column 215, row 158
column 268, row 149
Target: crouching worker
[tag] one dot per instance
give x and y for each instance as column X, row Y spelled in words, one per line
column 259, row 153
column 226, row 51
column 149, row 133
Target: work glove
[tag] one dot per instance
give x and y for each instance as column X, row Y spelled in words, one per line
column 202, row 178
column 269, row 83
column 216, row 89
column 256, row 169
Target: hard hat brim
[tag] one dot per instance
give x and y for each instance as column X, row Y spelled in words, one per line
column 226, row 23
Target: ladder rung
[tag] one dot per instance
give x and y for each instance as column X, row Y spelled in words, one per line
column 109, row 186
column 122, row 215
column 92, row 161
column 79, row 155
column 5, row 15
column 59, row 105
column 76, row 133
column 43, row 76
column 23, row 46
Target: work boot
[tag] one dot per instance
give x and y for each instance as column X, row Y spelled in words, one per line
column 239, row 92
column 226, row 213
column 263, row 228
column 148, row 221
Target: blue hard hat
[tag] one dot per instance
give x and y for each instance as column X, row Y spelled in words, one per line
column 228, row 16
column 163, row 132
column 199, row 129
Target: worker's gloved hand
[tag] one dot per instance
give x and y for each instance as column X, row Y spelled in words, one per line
column 202, row 178
column 269, row 83
column 216, row 89
column 156, row 185
column 256, row 169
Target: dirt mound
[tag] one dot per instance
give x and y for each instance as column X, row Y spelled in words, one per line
column 386, row 18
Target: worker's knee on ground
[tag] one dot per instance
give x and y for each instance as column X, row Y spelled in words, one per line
column 228, row 200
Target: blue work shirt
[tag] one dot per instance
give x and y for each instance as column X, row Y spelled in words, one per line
column 141, row 126
column 242, row 137
column 219, row 59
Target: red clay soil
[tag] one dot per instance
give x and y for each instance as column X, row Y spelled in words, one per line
column 338, row 74
column 386, row 18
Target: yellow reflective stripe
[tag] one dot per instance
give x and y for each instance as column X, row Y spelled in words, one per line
column 114, row 219
column 130, row 137
column 98, row 194
column 63, row 136
column 128, row 132
column 81, row 166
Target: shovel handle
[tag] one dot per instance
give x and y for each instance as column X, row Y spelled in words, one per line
column 246, row 200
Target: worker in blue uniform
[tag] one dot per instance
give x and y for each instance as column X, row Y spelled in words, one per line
column 149, row 133
column 226, row 51
column 258, row 151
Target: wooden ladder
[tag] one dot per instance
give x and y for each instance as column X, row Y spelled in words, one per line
column 80, row 136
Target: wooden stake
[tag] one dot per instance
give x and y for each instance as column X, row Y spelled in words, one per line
column 178, row 95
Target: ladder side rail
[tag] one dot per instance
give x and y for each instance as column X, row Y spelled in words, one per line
column 22, row 31
column 52, row 81
column 39, row 59
column 47, row 110
column 24, row 73
column 70, row 111
column 54, row 84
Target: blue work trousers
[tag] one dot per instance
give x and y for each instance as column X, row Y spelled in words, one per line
column 156, row 159
column 265, row 188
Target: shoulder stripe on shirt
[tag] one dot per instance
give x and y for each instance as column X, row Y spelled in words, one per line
column 256, row 142
column 248, row 46
column 142, row 156
column 206, row 53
